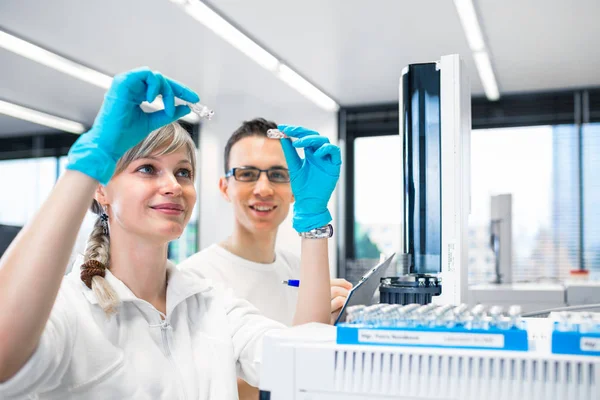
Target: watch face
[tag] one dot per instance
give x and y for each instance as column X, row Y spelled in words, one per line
column 330, row 230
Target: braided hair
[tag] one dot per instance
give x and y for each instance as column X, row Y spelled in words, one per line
column 96, row 260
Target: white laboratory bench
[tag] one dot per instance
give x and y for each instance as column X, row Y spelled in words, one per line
column 530, row 296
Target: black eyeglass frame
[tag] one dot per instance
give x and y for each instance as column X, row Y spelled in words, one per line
column 231, row 173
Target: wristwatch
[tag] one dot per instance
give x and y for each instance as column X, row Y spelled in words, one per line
column 323, row 232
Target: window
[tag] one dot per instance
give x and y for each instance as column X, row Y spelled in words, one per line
column 25, row 185
column 378, row 189
column 538, row 167
column 591, row 197
column 377, row 211
column 187, row 244
column 530, row 145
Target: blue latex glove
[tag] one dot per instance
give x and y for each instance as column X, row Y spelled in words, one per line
column 121, row 123
column 313, row 178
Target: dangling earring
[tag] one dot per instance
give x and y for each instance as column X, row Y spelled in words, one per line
column 104, row 220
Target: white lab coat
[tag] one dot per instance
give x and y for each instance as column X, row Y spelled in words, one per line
column 193, row 354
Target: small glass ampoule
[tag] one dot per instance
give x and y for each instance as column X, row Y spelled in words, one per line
column 504, row 322
column 486, row 322
column 389, row 315
column 438, row 316
column 461, row 312
column 596, row 322
column 476, row 319
column 277, row 134
column 455, row 317
column 468, row 321
column 587, row 323
column 564, row 323
column 514, row 313
column 354, row 314
column 201, row 110
column 495, row 315
column 419, row 316
column 404, row 314
column 371, row 313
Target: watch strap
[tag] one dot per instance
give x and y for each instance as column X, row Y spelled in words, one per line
column 323, row 232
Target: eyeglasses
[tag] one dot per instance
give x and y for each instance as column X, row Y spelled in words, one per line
column 251, row 174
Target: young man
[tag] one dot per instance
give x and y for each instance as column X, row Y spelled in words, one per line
column 260, row 187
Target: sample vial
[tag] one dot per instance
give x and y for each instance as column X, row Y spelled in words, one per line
column 419, row 316
column 514, row 313
column 477, row 319
column 404, row 313
column 276, row 134
column 201, row 110
column 504, row 322
column 456, row 316
column 441, row 315
column 371, row 314
column 564, row 323
column 587, row 323
column 495, row 315
column 354, row 314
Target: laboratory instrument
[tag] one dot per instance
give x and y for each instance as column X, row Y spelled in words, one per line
column 435, row 129
column 308, row 362
column 437, row 347
column 501, row 236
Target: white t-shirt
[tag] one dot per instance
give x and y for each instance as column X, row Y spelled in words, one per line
column 258, row 283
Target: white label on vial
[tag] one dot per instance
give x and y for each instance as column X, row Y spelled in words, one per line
column 589, row 344
column 450, row 339
column 451, row 257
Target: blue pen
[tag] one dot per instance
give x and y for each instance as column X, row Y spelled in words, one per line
column 292, row 282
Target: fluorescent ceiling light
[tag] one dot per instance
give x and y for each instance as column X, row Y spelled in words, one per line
column 38, row 117
column 213, row 21
column 230, row 34
column 54, row 61
column 486, row 74
column 66, row 66
column 470, row 24
column 472, row 29
column 306, row 88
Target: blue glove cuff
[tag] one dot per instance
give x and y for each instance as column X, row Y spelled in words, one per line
column 307, row 222
column 89, row 159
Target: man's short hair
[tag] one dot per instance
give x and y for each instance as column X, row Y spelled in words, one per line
column 254, row 127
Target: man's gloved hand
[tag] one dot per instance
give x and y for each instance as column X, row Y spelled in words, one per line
column 121, row 123
column 313, row 178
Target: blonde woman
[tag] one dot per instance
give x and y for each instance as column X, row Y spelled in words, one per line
column 126, row 324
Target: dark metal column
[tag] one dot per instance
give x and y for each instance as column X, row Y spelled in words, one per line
column 421, row 137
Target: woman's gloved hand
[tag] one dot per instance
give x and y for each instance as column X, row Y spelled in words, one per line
column 313, row 178
column 121, row 123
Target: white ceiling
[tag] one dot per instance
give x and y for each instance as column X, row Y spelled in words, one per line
column 539, row 45
column 354, row 50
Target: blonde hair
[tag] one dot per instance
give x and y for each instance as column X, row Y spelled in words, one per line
column 166, row 140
